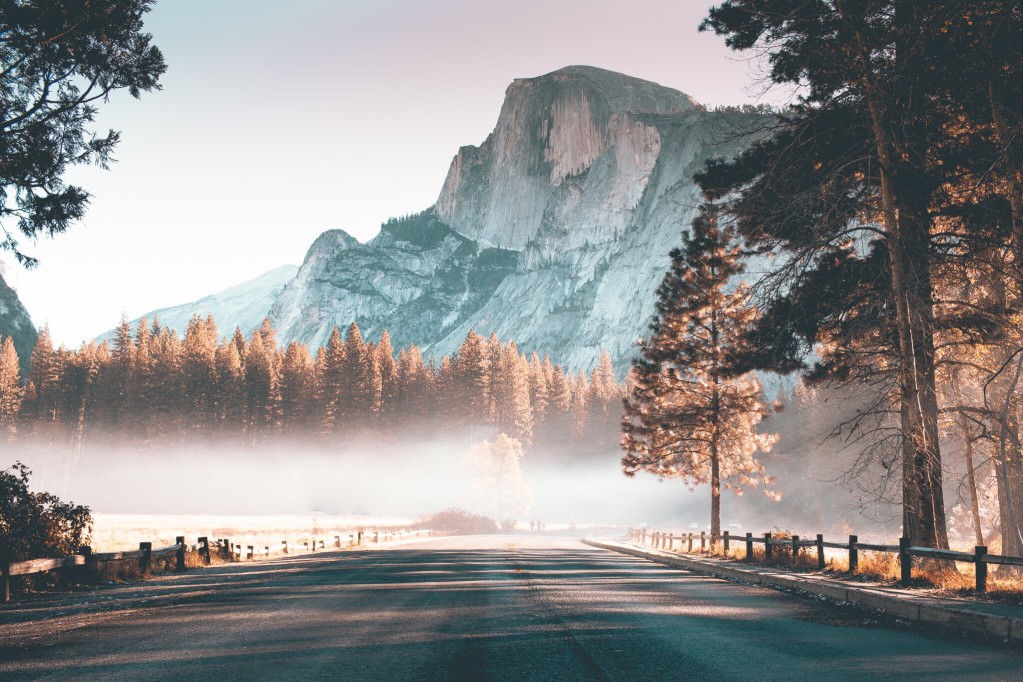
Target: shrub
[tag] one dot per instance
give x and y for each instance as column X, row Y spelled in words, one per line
column 460, row 522
column 38, row 525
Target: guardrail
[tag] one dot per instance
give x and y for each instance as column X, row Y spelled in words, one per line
column 979, row 557
column 86, row 560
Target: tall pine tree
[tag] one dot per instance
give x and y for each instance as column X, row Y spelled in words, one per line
column 686, row 413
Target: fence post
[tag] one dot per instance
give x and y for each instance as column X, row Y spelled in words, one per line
column 768, row 550
column 204, row 550
column 703, row 540
column 285, row 543
column 252, row 552
column 227, row 548
column 337, row 541
column 671, row 542
column 5, row 578
column 749, row 546
column 905, row 562
column 267, row 548
column 854, row 555
column 87, row 571
column 820, row 551
column 795, row 549
column 147, row 555
column 726, row 543
column 376, row 536
column 180, row 554
column 690, row 543
column 981, row 567
column 360, row 538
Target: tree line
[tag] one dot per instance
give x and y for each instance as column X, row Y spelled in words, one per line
column 151, row 385
column 888, row 200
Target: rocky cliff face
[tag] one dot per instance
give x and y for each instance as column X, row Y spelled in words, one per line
column 418, row 278
column 16, row 323
column 554, row 232
column 551, row 131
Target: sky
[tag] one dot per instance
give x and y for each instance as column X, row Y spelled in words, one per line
column 278, row 121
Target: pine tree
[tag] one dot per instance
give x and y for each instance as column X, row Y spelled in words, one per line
column 331, row 364
column 363, row 388
column 413, row 387
column 471, row 372
column 513, row 413
column 686, row 415
column 10, row 386
column 297, row 388
column 198, row 369
column 858, row 158
column 227, row 391
column 605, row 388
column 388, row 371
column 580, row 386
column 262, row 385
column 539, row 390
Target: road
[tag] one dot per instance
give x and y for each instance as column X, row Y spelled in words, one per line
column 467, row 608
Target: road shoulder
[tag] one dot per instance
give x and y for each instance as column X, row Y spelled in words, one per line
column 920, row 609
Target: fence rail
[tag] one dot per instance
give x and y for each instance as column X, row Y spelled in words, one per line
column 145, row 554
column 686, row 543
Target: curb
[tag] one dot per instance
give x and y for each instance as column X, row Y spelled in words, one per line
column 915, row 609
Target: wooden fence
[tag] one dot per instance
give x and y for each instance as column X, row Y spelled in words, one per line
column 85, row 562
column 686, row 541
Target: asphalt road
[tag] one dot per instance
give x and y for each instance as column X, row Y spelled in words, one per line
column 475, row 608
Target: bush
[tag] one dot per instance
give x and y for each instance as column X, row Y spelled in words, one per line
column 460, row 522
column 38, row 525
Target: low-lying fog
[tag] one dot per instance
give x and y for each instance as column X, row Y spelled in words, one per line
column 414, row 479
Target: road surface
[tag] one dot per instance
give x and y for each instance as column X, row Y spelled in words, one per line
column 470, row 608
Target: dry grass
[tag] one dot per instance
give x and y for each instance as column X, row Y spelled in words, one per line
column 953, row 578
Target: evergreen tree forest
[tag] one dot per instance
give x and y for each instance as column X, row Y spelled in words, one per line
column 888, row 200
column 152, row 386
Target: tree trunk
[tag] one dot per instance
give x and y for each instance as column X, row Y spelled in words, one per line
column 715, row 491
column 971, row 478
column 715, row 464
column 1010, row 478
column 924, row 517
column 907, row 224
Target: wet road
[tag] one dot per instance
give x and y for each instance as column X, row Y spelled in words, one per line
column 477, row 608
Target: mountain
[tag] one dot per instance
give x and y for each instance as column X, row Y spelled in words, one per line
column 555, row 231
column 16, row 323
column 245, row 305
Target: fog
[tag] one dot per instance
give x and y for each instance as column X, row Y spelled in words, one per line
column 406, row 479
column 419, row 474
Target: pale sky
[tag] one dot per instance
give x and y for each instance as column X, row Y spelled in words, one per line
column 278, row 121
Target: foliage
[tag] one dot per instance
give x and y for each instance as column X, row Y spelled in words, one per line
column 460, row 522
column 37, row 525
column 690, row 412
column 865, row 157
column 58, row 61
column 495, row 472
column 151, row 386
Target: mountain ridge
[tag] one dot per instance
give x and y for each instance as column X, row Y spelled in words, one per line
column 554, row 231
